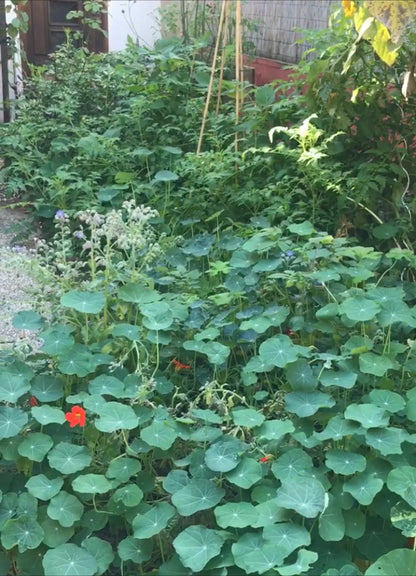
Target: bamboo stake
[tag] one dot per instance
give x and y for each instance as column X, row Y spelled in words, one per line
column 223, row 55
column 211, row 80
column 238, row 56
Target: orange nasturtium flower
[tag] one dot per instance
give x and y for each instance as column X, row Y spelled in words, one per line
column 76, row 417
column 179, row 366
column 349, row 7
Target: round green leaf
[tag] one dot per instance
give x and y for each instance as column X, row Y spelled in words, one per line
column 375, row 364
column 399, row 562
column 65, row 508
column 25, row 533
column 69, row 458
column 295, row 462
column 138, row 294
column 303, row 561
column 69, row 560
column 101, row 551
column 157, row 315
column 300, row 376
column 175, row 480
column 153, row 521
column 196, row 545
column 91, row 484
column 368, row 415
column 224, row 455
column 359, row 309
column 305, row 404
column 130, row 495
column 403, row 517
column 76, row 360
column 253, row 554
column 337, row 428
column 274, row 429
column 287, row 537
column 160, row 433
column 199, row 494
column 165, row 176
column 386, row 440
column 309, row 498
column 338, row 378
column 128, row 331
column 269, row 513
column 402, row 481
column 236, row 515
column 331, row 522
column 12, row 420
column 106, row 385
column 48, row 415
column 247, row 473
column 47, row 388
column 343, row 462
column 115, row 416
column 57, row 339
column 303, row 229
column 55, row 534
column 137, row 551
column 123, row 468
column 388, row 400
column 28, row 320
column 35, row 446
column 354, row 523
column 216, row 352
column 44, row 488
column 86, row 302
column 278, row 351
column 12, row 386
column 247, row 417
column 363, row 488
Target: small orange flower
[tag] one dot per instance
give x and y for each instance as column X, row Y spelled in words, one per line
column 76, row 417
column 33, row 401
column 179, row 366
column 265, row 459
column 349, row 8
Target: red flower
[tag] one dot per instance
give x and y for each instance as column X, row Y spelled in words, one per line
column 265, row 459
column 33, row 401
column 179, row 366
column 76, row 416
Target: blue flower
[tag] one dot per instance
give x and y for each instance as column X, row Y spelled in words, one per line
column 60, row 215
column 289, row 254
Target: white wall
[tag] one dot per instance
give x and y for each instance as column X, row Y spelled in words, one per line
column 135, row 18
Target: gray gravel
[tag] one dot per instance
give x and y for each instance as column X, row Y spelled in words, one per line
column 16, row 283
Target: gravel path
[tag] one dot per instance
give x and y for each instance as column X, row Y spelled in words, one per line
column 16, row 284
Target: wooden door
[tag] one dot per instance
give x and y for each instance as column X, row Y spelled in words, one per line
column 47, row 24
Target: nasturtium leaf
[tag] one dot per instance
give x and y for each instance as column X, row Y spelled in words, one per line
column 278, row 351
column 129, row 331
column 205, row 434
column 44, row 488
column 28, row 320
column 136, row 550
column 224, row 454
column 196, row 545
column 303, row 229
column 388, row 400
column 386, row 440
column 116, row 416
column 138, row 294
column 206, row 415
column 400, row 562
column 368, row 415
column 331, row 522
column 287, row 537
column 35, row 446
column 259, row 324
column 304, row 560
column 393, row 311
column 86, row 302
column 27, row 505
column 274, row 430
column 23, row 532
column 91, row 484
column 337, row 428
column 156, row 315
column 153, row 521
column 338, row 378
column 69, row 458
column 69, row 560
column 308, row 499
column 57, row 339
column 258, row 365
column 300, row 376
column 77, row 360
column 161, row 434
column 343, row 462
column 295, row 462
column 165, row 176
column 174, row 567
column 12, row 420
column 48, row 415
column 94, row 521
column 47, row 388
column 246, row 473
column 105, row 384
column 363, row 487
column 199, row 494
column 305, row 404
column 354, row 523
column 247, row 417
column 130, row 495
column 402, row 481
column 65, row 508
column 359, row 309
column 54, row 533
column 375, row 364
column 216, row 352
column 12, row 386
column 270, row 513
column 253, row 554
column 93, row 403
column 101, row 551
column 123, row 468
column 236, row 515
column 403, row 517
column 175, row 480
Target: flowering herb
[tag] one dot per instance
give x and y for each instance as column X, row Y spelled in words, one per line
column 60, row 215
column 179, row 366
column 76, row 417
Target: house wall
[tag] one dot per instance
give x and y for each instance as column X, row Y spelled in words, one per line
column 14, row 67
column 135, row 18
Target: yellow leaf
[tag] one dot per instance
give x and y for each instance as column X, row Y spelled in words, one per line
column 382, row 45
column 396, row 15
